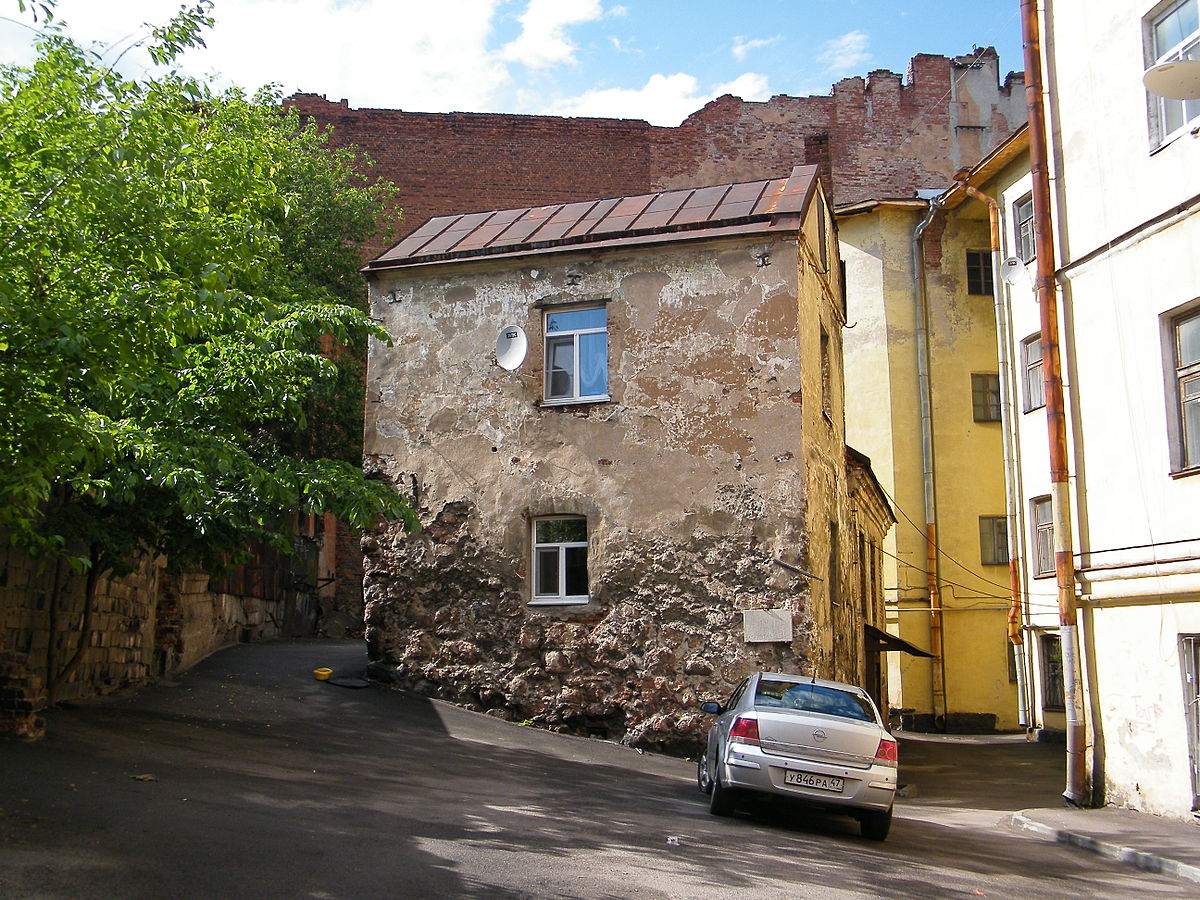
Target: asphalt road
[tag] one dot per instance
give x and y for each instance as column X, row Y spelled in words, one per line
column 249, row 779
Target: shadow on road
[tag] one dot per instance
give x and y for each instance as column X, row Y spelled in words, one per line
column 261, row 782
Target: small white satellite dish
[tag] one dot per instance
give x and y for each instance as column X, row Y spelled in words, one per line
column 511, row 347
column 1012, row 270
column 1175, row 80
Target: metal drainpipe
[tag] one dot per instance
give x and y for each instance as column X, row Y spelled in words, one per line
column 1016, row 608
column 925, row 392
column 1076, row 791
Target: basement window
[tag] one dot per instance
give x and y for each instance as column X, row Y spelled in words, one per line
column 577, row 355
column 560, row 560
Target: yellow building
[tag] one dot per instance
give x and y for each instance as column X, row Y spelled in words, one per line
column 923, row 401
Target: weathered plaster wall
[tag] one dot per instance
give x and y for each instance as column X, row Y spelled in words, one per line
column 693, row 478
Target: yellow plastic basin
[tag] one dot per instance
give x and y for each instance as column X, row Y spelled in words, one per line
column 322, row 674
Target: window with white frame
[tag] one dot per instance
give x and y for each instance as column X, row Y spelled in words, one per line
column 1187, row 379
column 1023, row 228
column 1042, row 517
column 993, row 540
column 560, row 560
column 577, row 355
column 1173, row 33
column 1034, row 381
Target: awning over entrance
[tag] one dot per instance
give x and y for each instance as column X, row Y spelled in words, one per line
column 884, row 641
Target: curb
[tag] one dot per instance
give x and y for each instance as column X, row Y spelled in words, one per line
column 1147, row 862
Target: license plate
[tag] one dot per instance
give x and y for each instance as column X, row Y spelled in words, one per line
column 809, row 780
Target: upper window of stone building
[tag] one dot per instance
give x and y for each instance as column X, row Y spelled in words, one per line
column 1172, row 32
column 1186, row 333
column 560, row 560
column 979, row 272
column 1034, row 382
column 1023, row 228
column 577, row 355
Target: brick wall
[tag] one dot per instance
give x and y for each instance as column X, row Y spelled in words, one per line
column 876, row 136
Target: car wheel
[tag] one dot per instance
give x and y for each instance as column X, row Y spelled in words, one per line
column 722, row 800
column 876, row 825
column 703, row 779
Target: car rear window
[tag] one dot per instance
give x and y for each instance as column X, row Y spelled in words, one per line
column 810, row 697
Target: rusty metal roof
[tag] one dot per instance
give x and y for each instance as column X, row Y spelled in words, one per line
column 742, row 208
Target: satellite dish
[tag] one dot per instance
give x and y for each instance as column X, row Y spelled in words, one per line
column 511, row 347
column 1012, row 269
column 1175, row 80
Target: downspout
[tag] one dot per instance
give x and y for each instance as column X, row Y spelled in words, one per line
column 926, row 399
column 1076, row 791
column 1015, row 609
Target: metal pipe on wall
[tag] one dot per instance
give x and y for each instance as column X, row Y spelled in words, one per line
column 925, row 393
column 1076, row 791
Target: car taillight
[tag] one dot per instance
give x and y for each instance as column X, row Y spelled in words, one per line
column 744, row 730
column 888, row 753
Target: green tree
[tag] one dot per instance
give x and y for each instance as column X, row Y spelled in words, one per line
column 172, row 261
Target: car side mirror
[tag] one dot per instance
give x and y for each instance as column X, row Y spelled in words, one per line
column 711, row 707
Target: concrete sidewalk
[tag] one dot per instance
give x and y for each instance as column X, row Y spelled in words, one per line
column 1151, row 843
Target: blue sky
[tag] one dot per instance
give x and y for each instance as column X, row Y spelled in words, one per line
column 649, row 59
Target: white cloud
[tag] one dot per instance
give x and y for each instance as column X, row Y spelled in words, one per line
column 742, row 45
column 662, row 100
column 373, row 52
column 748, row 86
column 846, row 53
column 543, row 41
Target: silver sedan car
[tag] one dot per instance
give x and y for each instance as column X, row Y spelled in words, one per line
column 821, row 742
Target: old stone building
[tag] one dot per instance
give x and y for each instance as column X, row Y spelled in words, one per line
column 882, row 135
column 655, row 500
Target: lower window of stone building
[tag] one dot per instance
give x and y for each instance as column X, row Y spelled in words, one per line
column 560, row 548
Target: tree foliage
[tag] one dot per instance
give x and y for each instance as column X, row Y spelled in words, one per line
column 172, row 260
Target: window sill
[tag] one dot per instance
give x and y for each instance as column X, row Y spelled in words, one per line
column 560, row 601
column 580, row 401
column 1184, row 473
column 1034, row 408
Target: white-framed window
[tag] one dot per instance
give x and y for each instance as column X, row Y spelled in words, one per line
column 1173, row 33
column 1022, row 215
column 1186, row 333
column 560, row 560
column 1034, row 381
column 577, row 355
column 1042, row 517
column 993, row 540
